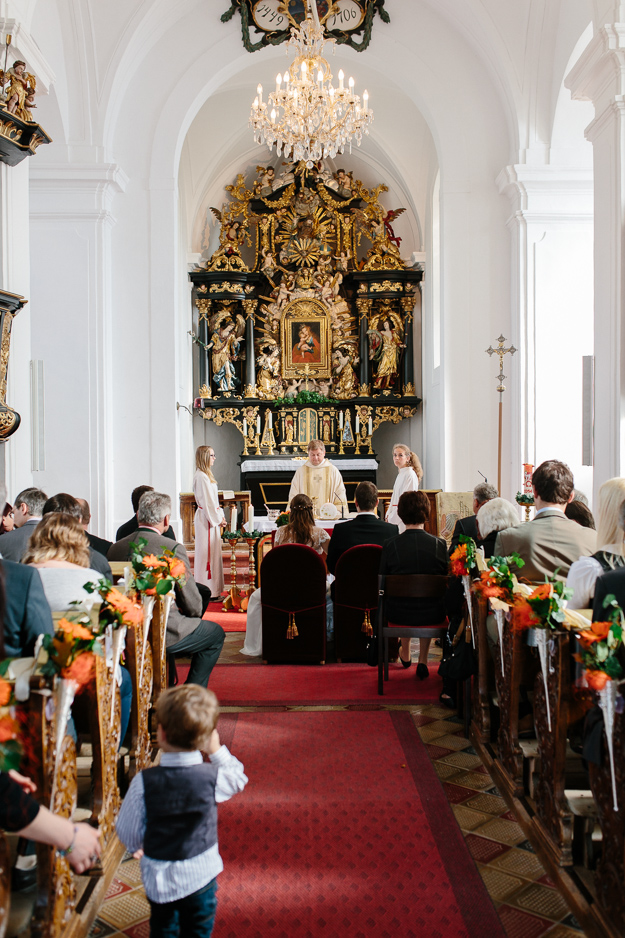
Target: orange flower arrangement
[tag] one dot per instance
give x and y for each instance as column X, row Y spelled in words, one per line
column 75, row 630
column 71, row 641
column 543, row 608
column 600, row 645
column 5, row 692
column 155, row 575
column 82, row 669
column 8, row 730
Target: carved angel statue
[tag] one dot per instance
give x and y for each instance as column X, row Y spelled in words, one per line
column 224, row 347
column 385, row 340
column 266, row 178
column 268, row 380
column 345, row 382
column 232, row 235
column 20, row 94
column 389, row 217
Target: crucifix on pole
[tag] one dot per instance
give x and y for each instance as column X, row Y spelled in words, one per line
column 501, row 351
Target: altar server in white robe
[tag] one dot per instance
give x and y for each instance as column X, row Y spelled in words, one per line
column 209, row 522
column 319, row 479
column 409, row 474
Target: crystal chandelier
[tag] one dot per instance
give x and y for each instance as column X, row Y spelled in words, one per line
column 306, row 117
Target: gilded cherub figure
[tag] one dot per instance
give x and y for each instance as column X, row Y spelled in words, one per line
column 20, row 93
column 268, row 380
column 345, row 382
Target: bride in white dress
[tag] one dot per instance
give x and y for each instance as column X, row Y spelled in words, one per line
column 409, row 475
column 301, row 530
column 209, row 522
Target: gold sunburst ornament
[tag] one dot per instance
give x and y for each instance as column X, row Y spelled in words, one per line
column 306, row 117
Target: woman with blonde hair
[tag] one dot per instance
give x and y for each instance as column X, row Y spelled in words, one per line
column 301, row 529
column 209, row 522
column 409, row 475
column 611, row 554
column 59, row 549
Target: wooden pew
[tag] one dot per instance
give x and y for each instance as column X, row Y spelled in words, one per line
column 481, row 683
column 610, row 873
column 139, row 661
column 554, row 818
column 5, row 884
column 158, row 633
column 509, row 764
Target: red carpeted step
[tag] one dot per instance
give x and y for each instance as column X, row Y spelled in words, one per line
column 343, row 830
column 250, row 685
column 229, row 621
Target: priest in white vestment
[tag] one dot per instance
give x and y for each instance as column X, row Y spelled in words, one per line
column 319, row 479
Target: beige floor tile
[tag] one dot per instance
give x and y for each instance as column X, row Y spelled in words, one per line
column 453, row 742
column 437, row 729
column 468, row 819
column 561, row 931
column 125, row 910
column 521, row 862
column 475, row 780
column 463, row 760
column 446, row 772
column 506, row 832
column 130, row 872
column 492, row 804
column 429, row 735
column 541, row 900
column 500, row 885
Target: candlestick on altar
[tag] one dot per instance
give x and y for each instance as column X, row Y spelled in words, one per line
column 233, row 519
column 233, row 599
column 501, row 351
column 251, row 543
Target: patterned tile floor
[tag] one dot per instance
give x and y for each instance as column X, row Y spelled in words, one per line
column 528, row 904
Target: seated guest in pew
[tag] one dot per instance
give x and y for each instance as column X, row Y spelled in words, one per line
column 550, row 542
column 482, row 494
column 8, row 519
column 176, row 837
column 98, row 544
column 68, row 505
column 187, row 633
column 128, row 527
column 300, row 530
column 611, row 554
column 365, row 528
column 495, row 515
column 27, row 515
column 415, row 551
column 59, row 550
column 580, row 513
column 27, row 613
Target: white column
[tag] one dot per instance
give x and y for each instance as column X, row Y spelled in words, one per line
column 551, row 294
column 71, row 221
column 599, row 76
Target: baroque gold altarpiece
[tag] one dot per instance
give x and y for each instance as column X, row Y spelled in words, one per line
column 305, row 314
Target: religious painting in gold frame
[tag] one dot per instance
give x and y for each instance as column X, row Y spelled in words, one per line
column 305, row 340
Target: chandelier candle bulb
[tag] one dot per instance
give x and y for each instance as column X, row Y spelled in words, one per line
column 278, row 81
column 341, row 77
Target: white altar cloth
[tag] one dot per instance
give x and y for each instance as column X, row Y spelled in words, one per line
column 290, row 465
column 262, row 523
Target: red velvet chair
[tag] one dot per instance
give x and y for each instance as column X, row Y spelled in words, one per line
column 293, row 601
column 355, row 600
column 405, row 586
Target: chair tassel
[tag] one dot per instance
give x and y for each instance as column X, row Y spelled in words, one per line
column 367, row 628
column 292, row 632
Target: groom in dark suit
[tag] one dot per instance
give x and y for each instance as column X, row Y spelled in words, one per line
column 366, row 528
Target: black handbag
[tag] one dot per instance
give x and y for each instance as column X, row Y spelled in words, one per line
column 461, row 663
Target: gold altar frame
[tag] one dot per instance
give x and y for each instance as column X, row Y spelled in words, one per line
column 306, row 312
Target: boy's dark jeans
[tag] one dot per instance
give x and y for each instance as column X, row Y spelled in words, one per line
column 191, row 917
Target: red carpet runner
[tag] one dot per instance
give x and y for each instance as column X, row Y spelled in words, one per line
column 254, row 685
column 229, row 621
column 343, row 830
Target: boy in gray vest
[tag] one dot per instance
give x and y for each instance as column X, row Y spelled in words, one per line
column 169, row 816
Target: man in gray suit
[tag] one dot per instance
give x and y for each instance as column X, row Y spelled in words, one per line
column 187, row 633
column 27, row 512
column 550, row 541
